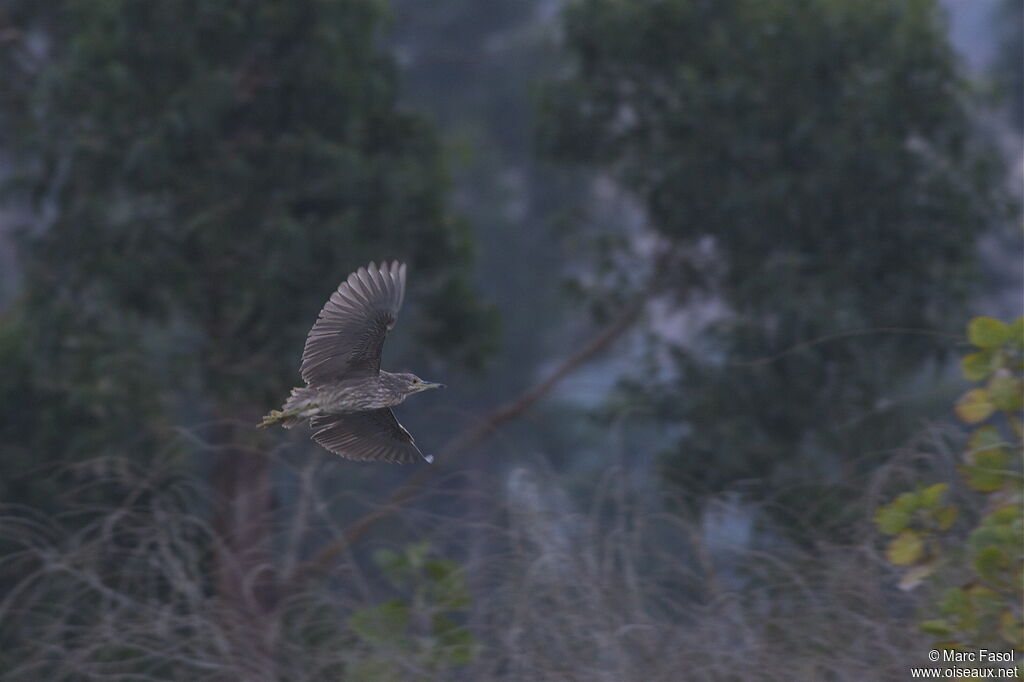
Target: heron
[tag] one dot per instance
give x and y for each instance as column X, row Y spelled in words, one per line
column 347, row 397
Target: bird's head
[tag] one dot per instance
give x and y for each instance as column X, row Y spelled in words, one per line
column 413, row 384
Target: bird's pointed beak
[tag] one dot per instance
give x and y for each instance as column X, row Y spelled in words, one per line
column 430, row 384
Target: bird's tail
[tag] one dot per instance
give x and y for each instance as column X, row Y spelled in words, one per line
column 290, row 414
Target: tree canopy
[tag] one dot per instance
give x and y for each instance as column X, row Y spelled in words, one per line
column 206, row 173
column 811, row 166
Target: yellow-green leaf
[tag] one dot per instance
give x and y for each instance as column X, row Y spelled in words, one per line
column 1004, row 389
column 987, row 332
column 977, row 366
column 916, row 576
column 1017, row 332
column 908, row 501
column 1012, row 629
column 985, row 438
column 932, row 495
column 1008, row 513
column 939, row 628
column 891, row 519
column 906, row 549
column 954, row 601
column 988, row 470
column 947, row 517
column 974, row 406
column 989, row 562
column 984, row 599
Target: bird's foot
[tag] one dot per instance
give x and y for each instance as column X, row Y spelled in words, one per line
column 274, row 417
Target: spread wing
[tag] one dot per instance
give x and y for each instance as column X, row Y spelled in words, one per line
column 348, row 337
column 374, row 435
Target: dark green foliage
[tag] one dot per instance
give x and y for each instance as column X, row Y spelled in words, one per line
column 812, row 166
column 209, row 171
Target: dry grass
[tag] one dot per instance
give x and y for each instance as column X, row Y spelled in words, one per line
column 611, row 587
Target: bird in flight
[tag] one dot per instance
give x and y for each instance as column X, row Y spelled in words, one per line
column 347, row 397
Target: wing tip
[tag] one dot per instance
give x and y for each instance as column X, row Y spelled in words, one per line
column 429, row 459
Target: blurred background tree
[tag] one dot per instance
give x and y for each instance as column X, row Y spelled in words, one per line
column 208, row 172
column 472, row 66
column 813, row 169
column 195, row 177
column 205, row 174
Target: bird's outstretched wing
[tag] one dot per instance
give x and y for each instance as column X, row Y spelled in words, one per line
column 374, row 435
column 348, row 337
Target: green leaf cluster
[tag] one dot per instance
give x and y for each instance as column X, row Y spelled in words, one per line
column 423, row 628
column 996, row 364
column 915, row 519
column 986, row 609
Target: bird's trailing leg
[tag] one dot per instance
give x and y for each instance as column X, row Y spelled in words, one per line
column 289, row 419
column 274, row 417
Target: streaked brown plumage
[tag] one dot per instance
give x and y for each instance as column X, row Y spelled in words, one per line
column 347, row 397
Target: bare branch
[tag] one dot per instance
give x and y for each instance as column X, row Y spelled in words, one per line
column 322, row 561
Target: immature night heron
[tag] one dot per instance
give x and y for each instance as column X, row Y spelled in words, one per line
column 347, row 397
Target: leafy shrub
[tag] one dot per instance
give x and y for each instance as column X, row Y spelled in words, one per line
column 985, row 609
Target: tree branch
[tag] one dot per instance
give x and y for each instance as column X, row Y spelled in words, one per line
column 321, row 562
